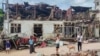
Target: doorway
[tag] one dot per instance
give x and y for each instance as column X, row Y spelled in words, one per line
column 38, row 29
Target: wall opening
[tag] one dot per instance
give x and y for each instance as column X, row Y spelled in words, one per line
column 38, row 29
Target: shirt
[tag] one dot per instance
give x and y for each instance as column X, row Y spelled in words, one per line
column 57, row 41
column 7, row 45
column 31, row 42
column 79, row 38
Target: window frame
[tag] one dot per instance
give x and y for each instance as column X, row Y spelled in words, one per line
column 15, row 28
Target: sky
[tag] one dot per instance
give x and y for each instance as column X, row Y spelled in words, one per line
column 63, row 4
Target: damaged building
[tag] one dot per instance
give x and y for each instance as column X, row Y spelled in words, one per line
column 48, row 20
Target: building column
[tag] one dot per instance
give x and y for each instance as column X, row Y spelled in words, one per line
column 97, row 30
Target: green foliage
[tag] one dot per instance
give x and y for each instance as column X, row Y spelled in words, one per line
column 1, row 28
column 1, row 18
column 1, row 13
column 1, row 21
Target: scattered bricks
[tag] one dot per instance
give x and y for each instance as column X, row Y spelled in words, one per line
column 82, row 53
column 93, row 53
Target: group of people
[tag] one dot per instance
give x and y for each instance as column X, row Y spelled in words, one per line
column 32, row 40
column 79, row 40
column 32, row 47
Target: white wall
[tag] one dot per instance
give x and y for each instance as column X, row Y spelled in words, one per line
column 48, row 30
column 27, row 27
column 97, row 7
column 6, row 27
column 98, row 16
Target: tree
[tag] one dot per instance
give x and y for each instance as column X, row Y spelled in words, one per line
column 1, row 18
column 1, row 13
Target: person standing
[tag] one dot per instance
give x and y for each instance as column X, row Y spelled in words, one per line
column 31, row 43
column 57, row 43
column 8, row 46
column 79, row 40
column 34, row 38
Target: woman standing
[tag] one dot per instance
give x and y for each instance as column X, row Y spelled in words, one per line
column 57, row 43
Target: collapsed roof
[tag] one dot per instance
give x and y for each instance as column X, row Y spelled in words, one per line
column 26, row 10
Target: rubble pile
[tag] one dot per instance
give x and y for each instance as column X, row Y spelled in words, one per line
column 82, row 53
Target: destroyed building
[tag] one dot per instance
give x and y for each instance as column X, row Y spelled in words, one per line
column 40, row 11
column 47, row 20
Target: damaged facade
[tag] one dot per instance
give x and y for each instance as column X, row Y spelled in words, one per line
column 46, row 21
column 97, row 19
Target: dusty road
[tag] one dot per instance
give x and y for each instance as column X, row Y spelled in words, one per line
column 50, row 50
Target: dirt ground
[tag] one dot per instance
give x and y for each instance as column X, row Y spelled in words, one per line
column 50, row 50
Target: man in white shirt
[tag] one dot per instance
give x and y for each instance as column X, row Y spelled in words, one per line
column 79, row 40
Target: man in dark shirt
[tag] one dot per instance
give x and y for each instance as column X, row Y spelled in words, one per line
column 8, row 45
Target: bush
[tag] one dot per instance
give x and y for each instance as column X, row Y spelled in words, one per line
column 1, row 28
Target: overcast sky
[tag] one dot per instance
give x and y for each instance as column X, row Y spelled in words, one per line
column 63, row 4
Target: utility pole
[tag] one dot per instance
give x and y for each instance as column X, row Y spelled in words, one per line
column 7, row 16
column 7, row 10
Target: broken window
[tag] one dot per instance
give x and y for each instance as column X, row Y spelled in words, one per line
column 38, row 29
column 15, row 28
column 57, row 28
